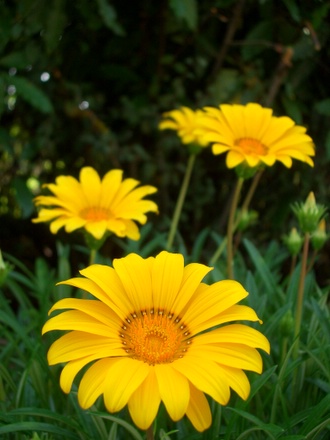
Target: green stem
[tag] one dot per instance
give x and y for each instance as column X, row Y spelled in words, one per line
column 230, row 228
column 218, row 252
column 150, row 433
column 249, row 195
column 180, row 201
column 300, row 296
column 92, row 256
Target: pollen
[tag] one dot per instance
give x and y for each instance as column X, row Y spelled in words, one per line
column 154, row 337
column 251, row 146
column 95, row 213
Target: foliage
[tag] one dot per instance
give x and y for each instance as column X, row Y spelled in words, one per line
column 85, row 83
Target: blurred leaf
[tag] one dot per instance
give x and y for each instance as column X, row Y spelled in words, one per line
column 225, row 86
column 14, row 59
column 257, row 40
column 23, row 196
column 109, row 16
column 56, row 22
column 323, row 107
column 38, row 426
column 186, row 10
column 31, row 94
column 293, row 9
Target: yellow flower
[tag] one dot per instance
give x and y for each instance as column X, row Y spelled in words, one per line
column 185, row 122
column 250, row 134
column 111, row 204
column 154, row 334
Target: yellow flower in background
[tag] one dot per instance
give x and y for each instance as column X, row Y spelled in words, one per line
column 112, row 204
column 250, row 134
column 184, row 121
column 155, row 333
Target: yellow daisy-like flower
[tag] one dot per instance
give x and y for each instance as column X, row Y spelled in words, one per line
column 153, row 334
column 185, row 122
column 111, row 204
column 251, row 134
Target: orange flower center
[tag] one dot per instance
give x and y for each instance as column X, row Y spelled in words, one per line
column 155, row 338
column 251, row 146
column 95, row 214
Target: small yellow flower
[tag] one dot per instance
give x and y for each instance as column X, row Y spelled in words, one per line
column 155, row 333
column 184, row 121
column 111, row 204
column 251, row 135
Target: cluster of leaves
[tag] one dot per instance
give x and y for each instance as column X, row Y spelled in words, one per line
column 85, row 83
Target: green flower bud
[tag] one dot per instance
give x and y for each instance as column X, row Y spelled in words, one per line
column 309, row 214
column 246, row 219
column 319, row 237
column 287, row 324
column 5, row 269
column 293, row 242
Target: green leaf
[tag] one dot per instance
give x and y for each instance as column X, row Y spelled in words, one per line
column 323, row 107
column 14, row 59
column 109, row 16
column 37, row 426
column 187, row 11
column 56, row 22
column 31, row 94
column 293, row 9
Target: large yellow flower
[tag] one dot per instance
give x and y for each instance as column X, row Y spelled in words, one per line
column 185, row 122
column 155, row 334
column 111, row 204
column 251, row 134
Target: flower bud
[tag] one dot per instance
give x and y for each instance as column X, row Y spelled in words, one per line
column 319, row 237
column 309, row 214
column 246, row 219
column 287, row 324
column 293, row 242
column 5, row 268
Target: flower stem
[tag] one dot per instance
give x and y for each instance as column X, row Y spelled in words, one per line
column 249, row 195
column 231, row 227
column 300, row 295
column 92, row 256
column 180, row 201
column 150, row 433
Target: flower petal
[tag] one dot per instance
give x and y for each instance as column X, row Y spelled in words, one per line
column 205, row 375
column 92, row 384
column 123, row 378
column 198, row 411
column 91, row 186
column 144, row 402
column 173, row 389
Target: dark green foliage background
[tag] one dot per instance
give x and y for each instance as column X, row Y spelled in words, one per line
column 134, row 60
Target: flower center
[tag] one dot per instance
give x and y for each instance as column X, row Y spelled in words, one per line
column 251, row 146
column 155, row 338
column 95, row 214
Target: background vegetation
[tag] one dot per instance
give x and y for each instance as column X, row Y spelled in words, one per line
column 85, row 83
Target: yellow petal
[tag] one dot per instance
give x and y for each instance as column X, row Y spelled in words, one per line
column 234, row 158
column 91, row 186
column 96, row 309
column 123, row 378
column 76, row 345
column 205, row 375
column 192, row 276
column 167, row 275
column 256, row 120
column 92, row 384
column 106, row 278
column 211, row 301
column 219, row 148
column 109, row 187
column 96, row 228
column 231, row 355
column 174, row 390
column 135, row 276
column 237, row 380
column 70, row 371
column 77, row 320
column 198, row 411
column 144, row 402
column 233, row 334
